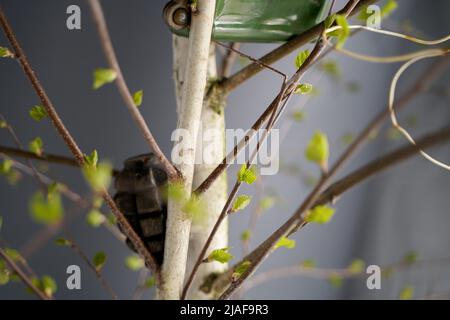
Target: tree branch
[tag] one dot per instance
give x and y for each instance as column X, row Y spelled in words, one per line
column 23, row 276
column 75, row 247
column 327, row 273
column 46, row 157
column 108, row 49
column 70, row 142
column 249, row 71
column 329, row 195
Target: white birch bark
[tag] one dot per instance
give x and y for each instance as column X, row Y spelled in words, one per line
column 212, row 147
column 193, row 90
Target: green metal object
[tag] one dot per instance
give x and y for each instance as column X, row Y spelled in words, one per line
column 252, row 20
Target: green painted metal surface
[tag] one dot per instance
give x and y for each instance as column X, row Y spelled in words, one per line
column 264, row 20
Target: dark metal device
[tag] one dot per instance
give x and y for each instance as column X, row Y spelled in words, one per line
column 251, row 20
column 139, row 196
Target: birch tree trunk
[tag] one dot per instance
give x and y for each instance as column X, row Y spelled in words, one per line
column 189, row 114
column 213, row 147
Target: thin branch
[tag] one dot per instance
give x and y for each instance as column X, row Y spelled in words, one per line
column 108, row 49
column 249, row 71
column 254, row 217
column 380, row 164
column 329, row 195
column 283, row 96
column 23, row 276
column 46, row 157
column 279, row 104
column 19, row 144
column 45, row 234
column 228, row 60
column 75, row 247
column 70, row 142
column 205, row 247
column 327, row 273
column 225, row 210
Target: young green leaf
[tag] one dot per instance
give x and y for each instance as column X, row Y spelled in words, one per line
column 99, row 177
column 63, row 242
column 99, row 260
column 247, row 175
column 134, row 262
column 319, row 214
column 267, row 202
column 176, row 191
column 3, row 124
column 331, row 68
column 388, row 8
column 46, row 209
column 5, row 53
column 195, row 208
column 246, row 235
column 347, row 138
column 95, row 218
column 13, row 254
column 335, row 280
column 241, row 202
column 219, row 255
column 36, row 146
column 138, row 97
column 240, row 270
column 357, row 266
column 297, row 116
column 411, row 257
column 301, row 58
column 38, row 113
column 285, row 242
column 103, row 76
column 6, row 166
column 92, row 159
column 304, row 88
column 48, row 285
column 344, row 32
column 4, row 276
column 407, row 293
column 150, row 282
column 330, row 20
column 309, row 264
column 318, row 149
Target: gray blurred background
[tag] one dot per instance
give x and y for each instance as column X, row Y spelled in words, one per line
column 404, row 209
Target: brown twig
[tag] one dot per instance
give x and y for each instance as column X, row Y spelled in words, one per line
column 46, row 233
column 213, row 232
column 327, row 273
column 46, row 157
column 380, row 164
column 284, row 95
column 256, row 256
column 261, row 251
column 23, row 276
column 75, row 247
column 70, row 142
column 225, row 210
column 228, row 60
column 249, row 71
column 254, row 217
column 19, row 144
column 108, row 49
